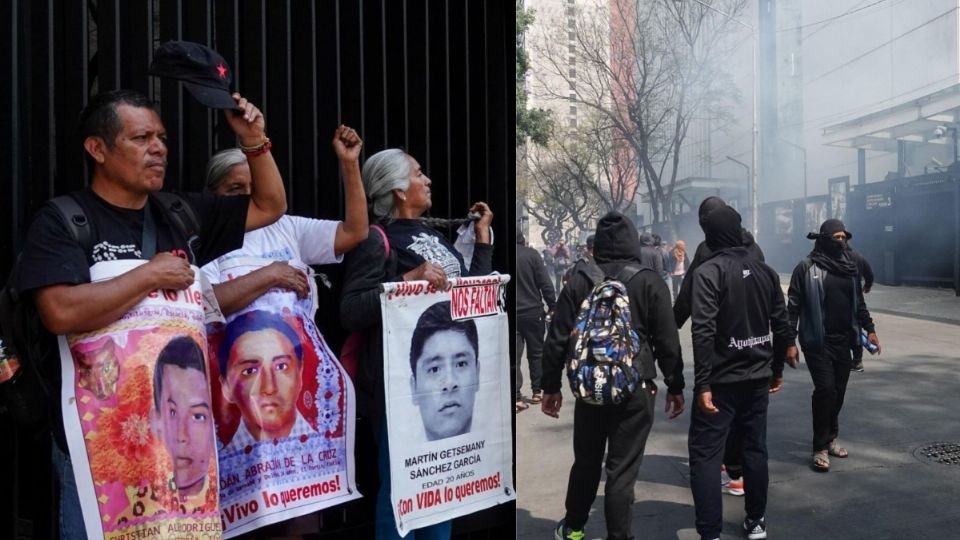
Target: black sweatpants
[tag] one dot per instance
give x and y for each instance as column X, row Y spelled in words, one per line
column 743, row 405
column 858, row 354
column 530, row 332
column 830, row 370
column 622, row 431
column 732, row 458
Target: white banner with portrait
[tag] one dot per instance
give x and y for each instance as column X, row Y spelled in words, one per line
column 448, row 398
column 284, row 409
column 137, row 411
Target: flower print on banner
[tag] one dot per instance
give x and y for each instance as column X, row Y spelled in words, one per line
column 284, row 409
column 136, row 475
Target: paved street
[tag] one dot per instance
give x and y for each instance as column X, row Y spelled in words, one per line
column 906, row 399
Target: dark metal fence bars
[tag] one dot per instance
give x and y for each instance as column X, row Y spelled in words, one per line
column 431, row 76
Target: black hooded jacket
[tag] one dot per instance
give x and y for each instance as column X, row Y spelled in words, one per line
column 681, row 307
column 534, row 286
column 737, row 300
column 616, row 245
column 825, row 296
column 866, row 272
column 807, row 306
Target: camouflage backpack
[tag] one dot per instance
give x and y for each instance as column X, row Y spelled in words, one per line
column 604, row 343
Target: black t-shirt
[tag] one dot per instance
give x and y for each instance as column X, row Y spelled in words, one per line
column 51, row 255
column 837, row 307
column 415, row 243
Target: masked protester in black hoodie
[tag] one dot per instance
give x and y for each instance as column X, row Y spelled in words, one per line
column 732, row 474
column 681, row 309
column 826, row 299
column 736, row 302
column 620, row 429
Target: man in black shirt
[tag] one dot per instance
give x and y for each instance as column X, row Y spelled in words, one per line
column 866, row 274
column 620, row 429
column 533, row 289
column 125, row 141
column 736, row 302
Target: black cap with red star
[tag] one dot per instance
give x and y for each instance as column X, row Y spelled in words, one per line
column 202, row 70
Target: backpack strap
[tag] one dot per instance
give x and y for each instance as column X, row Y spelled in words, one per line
column 388, row 253
column 627, row 272
column 75, row 220
column 148, row 238
column 592, row 272
column 383, row 236
column 181, row 215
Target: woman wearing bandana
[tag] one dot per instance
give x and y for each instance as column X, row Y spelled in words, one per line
column 826, row 298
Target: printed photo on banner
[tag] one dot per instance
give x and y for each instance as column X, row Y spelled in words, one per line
column 783, row 219
column 816, row 212
column 446, row 368
column 838, row 188
column 138, row 415
column 284, row 410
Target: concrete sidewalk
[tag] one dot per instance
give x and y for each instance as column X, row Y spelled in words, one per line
column 906, row 399
column 941, row 305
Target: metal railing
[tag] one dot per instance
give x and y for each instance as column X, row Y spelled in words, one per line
column 431, row 76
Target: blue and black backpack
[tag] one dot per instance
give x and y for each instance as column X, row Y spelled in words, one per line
column 604, row 343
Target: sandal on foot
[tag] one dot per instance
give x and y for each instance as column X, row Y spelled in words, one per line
column 837, row 451
column 537, row 397
column 520, row 406
column 821, row 461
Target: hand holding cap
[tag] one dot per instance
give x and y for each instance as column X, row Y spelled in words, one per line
column 204, row 73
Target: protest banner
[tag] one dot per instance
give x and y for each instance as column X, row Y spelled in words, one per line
column 138, row 417
column 448, row 398
column 284, row 410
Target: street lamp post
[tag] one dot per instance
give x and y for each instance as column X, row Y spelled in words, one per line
column 745, row 166
column 803, row 151
column 756, row 131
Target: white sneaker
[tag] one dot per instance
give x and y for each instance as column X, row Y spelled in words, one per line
column 729, row 485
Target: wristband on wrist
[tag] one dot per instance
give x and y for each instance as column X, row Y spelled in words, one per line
column 257, row 150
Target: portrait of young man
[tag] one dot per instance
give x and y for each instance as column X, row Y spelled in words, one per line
column 445, row 372
column 261, row 369
column 182, row 415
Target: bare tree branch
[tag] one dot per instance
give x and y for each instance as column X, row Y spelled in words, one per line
column 642, row 71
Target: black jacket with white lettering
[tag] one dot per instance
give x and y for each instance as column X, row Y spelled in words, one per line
column 737, row 300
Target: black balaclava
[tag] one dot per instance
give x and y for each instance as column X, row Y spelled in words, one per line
column 615, row 240
column 521, row 241
column 831, row 254
column 722, row 229
column 709, row 205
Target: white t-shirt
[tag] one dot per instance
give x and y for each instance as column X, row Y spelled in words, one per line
column 290, row 238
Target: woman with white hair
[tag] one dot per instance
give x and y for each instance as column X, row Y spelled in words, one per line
column 291, row 238
column 398, row 194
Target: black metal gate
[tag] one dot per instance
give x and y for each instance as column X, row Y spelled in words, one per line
column 431, row 76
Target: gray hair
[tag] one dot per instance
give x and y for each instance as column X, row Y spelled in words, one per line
column 220, row 164
column 384, row 172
